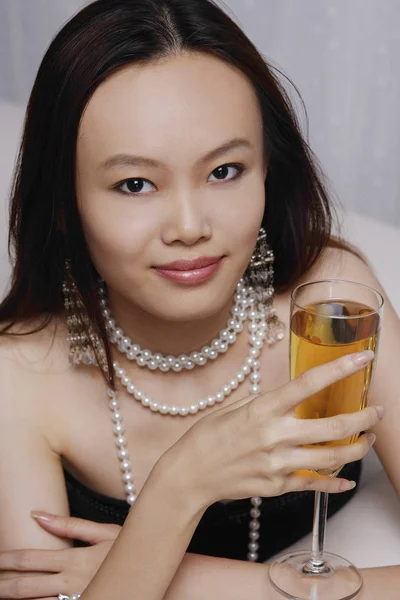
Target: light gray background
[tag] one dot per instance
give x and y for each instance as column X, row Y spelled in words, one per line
column 343, row 55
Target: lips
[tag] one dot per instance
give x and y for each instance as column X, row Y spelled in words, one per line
column 191, row 272
column 190, row 265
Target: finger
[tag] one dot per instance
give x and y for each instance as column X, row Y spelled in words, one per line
column 77, row 529
column 318, row 378
column 50, row 561
column 328, row 458
column 340, row 427
column 308, row 481
column 31, row 587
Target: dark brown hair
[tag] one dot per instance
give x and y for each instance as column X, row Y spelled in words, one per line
column 102, row 38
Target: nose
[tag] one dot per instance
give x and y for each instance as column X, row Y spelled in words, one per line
column 186, row 221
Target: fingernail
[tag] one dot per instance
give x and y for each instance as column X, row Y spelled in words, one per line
column 346, row 485
column 371, row 437
column 380, row 410
column 42, row 516
column 363, row 358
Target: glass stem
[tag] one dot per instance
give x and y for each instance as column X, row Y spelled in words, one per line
column 316, row 563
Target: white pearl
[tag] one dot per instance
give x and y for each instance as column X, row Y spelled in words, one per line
column 219, row 397
column 240, row 376
column 254, row 535
column 110, row 323
column 193, row 409
column 255, row 513
column 123, row 454
column 189, row 365
column 238, row 297
column 138, row 394
column 146, row 354
column 238, row 327
column 252, row 314
column 226, row 390
column 256, row 501
column 177, row 367
column 256, row 364
column 254, row 352
column 116, row 416
column 254, row 525
column 253, row 546
column 255, row 389
column 145, row 401
column 135, row 348
column 223, row 347
column 234, row 383
column 224, row 334
column 242, row 315
column 164, row 367
column 119, row 428
column 154, row 406
column 125, row 380
column 170, row 360
column 253, row 339
column 173, row 410
column 131, row 355
column 206, row 351
column 119, row 333
column 255, row 377
column 249, row 360
column 182, row 358
column 120, row 372
column 246, row 369
column 213, row 354
column 202, row 404
column 258, row 344
column 183, row 411
column 231, row 323
column 252, row 556
column 131, row 499
column 125, row 465
column 113, row 404
column 131, row 388
column 106, row 312
column 194, row 356
column 120, row 441
column 236, row 310
column 158, row 357
column 152, row 365
column 127, row 477
column 215, row 344
column 201, row 361
column 253, row 327
column 210, row 400
column 231, row 338
column 141, row 361
column 164, row 409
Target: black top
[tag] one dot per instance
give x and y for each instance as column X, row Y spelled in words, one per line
column 224, row 528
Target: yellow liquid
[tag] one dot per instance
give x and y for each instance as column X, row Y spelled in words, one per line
column 316, row 339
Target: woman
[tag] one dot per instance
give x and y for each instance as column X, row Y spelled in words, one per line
column 160, row 172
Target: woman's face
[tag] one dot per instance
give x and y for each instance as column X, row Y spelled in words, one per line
column 188, row 183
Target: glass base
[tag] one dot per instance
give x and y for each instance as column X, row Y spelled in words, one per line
column 336, row 579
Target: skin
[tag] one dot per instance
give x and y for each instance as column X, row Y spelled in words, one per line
column 175, row 112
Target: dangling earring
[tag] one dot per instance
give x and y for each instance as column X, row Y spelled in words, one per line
column 260, row 275
column 82, row 337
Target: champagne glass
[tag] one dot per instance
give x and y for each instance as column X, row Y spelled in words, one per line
column 328, row 319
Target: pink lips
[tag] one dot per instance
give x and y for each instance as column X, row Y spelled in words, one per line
column 191, row 272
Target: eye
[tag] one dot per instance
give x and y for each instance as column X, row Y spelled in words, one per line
column 222, row 172
column 135, row 186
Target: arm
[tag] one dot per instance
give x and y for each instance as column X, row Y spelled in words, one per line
column 30, row 470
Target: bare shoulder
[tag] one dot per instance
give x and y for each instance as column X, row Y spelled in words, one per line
column 30, row 363
column 340, row 263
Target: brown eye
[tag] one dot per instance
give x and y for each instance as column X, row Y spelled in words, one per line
column 222, row 173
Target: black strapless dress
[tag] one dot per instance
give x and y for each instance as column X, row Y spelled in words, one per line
column 223, row 530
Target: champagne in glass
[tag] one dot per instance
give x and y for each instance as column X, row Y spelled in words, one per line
column 328, row 319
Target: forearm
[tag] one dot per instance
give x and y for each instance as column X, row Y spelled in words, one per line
column 209, row 578
column 150, row 547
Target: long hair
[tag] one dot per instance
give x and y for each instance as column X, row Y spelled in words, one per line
column 104, row 37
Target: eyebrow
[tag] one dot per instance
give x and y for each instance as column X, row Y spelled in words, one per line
column 122, row 160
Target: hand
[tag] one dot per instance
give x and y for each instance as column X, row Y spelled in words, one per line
column 255, row 447
column 57, row 571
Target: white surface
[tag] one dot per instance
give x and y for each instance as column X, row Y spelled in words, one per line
column 367, row 530
column 342, row 56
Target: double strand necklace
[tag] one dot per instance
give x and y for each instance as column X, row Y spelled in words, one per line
column 262, row 329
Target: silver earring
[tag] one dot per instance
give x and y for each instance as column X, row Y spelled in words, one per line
column 260, row 276
column 82, row 338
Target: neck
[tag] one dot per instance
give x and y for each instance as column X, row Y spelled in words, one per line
column 166, row 337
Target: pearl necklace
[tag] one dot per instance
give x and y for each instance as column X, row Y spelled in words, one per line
column 242, row 301
column 260, row 332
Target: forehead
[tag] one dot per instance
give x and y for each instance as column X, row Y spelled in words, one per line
column 188, row 100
